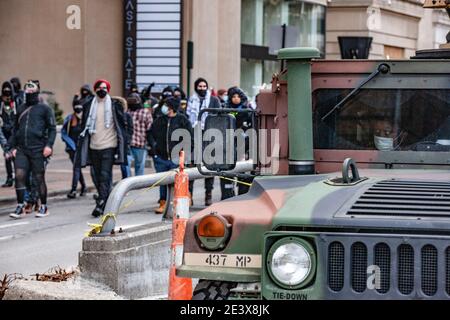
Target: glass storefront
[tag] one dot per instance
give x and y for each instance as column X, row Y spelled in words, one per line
column 259, row 16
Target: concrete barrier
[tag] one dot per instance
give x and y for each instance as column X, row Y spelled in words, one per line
column 135, row 263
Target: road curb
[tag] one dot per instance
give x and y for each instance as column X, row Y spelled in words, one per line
column 12, row 199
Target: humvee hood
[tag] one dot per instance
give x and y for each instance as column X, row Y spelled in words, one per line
column 400, row 199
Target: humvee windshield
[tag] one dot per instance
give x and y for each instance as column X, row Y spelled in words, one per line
column 384, row 120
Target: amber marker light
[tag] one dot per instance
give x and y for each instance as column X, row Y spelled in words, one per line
column 213, row 231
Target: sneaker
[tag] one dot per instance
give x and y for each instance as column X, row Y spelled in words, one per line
column 43, row 212
column 19, row 213
column 72, row 194
column 9, row 183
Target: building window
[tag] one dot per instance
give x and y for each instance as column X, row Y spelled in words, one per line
column 391, row 52
column 258, row 18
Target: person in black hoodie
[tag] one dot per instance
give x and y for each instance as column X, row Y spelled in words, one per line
column 159, row 138
column 31, row 143
column 237, row 99
column 20, row 94
column 9, row 103
column 70, row 132
column 85, row 95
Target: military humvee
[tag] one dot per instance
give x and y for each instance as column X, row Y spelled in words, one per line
column 377, row 229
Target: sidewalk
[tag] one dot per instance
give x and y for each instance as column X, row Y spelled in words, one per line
column 58, row 177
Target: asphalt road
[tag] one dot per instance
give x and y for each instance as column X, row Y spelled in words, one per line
column 32, row 245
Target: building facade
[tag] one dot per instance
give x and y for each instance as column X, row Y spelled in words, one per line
column 66, row 43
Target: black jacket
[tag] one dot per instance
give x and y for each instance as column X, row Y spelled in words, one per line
column 35, row 128
column 160, row 134
column 120, row 125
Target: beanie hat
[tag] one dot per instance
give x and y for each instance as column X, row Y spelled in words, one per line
column 100, row 81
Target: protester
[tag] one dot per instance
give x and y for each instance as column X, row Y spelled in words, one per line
column 20, row 94
column 31, row 143
column 181, row 96
column 202, row 99
column 167, row 93
column 237, row 99
column 70, row 132
column 142, row 121
column 159, row 137
column 125, row 167
column 148, row 100
column 103, row 140
column 223, row 97
column 8, row 113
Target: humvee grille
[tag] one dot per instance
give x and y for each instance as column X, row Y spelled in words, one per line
column 404, row 198
column 429, row 270
column 336, row 266
column 403, row 270
column 447, row 270
column 382, row 254
column 359, row 267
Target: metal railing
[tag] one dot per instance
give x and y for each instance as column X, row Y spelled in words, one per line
column 120, row 191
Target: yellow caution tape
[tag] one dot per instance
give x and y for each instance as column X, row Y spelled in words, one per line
column 237, row 181
column 96, row 228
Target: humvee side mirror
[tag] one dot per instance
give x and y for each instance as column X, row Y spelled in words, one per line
column 218, row 152
column 219, row 142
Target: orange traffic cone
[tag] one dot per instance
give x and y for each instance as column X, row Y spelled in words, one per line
column 179, row 288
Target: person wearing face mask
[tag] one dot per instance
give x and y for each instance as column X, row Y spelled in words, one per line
column 20, row 94
column 223, row 97
column 70, row 132
column 31, row 144
column 165, row 95
column 8, row 113
column 103, row 140
column 202, row 99
column 181, row 96
column 386, row 137
column 142, row 121
column 159, row 137
column 237, row 99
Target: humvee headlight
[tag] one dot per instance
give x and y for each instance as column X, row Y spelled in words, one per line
column 291, row 262
column 213, row 231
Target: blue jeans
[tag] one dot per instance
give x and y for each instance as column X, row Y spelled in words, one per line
column 162, row 165
column 126, row 169
column 139, row 155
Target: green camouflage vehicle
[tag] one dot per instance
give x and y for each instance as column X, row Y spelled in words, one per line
column 320, row 228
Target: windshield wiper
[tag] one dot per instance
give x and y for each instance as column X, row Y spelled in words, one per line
column 382, row 68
